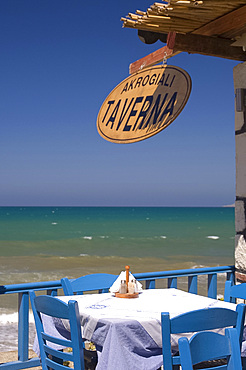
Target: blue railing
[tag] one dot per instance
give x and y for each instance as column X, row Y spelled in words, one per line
column 151, row 280
column 192, row 274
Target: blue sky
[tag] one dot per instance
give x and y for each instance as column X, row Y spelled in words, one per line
column 59, row 60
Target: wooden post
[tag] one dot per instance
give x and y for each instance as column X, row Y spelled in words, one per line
column 127, row 275
column 239, row 75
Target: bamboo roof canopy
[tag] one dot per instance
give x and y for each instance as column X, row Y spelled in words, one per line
column 208, row 27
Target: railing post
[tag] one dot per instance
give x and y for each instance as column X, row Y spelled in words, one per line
column 150, row 284
column 231, row 276
column 172, row 282
column 23, row 326
column 52, row 292
column 192, row 284
column 212, row 286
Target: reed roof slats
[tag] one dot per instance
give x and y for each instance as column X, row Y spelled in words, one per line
column 189, row 16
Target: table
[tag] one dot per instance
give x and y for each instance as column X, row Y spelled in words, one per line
column 127, row 332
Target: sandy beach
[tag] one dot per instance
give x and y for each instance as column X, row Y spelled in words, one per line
column 10, row 356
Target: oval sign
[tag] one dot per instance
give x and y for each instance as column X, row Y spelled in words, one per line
column 144, row 104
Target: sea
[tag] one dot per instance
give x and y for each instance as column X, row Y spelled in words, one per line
column 48, row 243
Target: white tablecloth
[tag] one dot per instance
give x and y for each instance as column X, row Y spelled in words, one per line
column 127, row 332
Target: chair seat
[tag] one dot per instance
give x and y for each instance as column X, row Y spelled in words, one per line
column 209, row 364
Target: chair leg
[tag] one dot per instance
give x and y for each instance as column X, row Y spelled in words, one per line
column 243, row 363
column 90, row 359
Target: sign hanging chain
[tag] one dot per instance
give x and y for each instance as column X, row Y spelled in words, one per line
column 164, row 63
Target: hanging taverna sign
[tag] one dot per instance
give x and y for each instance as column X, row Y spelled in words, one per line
column 144, row 104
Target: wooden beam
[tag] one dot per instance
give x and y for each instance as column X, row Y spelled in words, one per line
column 151, row 59
column 227, row 24
column 190, row 43
column 205, row 45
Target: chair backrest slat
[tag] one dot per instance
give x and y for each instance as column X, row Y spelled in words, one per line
column 234, row 291
column 65, row 356
column 53, row 365
column 47, row 307
column 94, row 282
column 209, row 350
column 59, row 341
column 205, row 319
column 207, row 346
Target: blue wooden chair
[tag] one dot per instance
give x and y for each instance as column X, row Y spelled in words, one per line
column 195, row 321
column 207, row 346
column 98, row 282
column 52, row 358
column 234, row 291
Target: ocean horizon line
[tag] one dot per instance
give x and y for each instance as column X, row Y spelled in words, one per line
column 118, row 206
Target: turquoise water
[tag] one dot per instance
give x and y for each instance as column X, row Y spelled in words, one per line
column 48, row 243
column 116, row 231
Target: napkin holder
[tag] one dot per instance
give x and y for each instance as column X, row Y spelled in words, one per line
column 127, row 295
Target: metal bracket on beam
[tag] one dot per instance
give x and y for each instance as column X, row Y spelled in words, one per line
column 240, row 100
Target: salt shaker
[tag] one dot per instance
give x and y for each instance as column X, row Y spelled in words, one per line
column 132, row 286
column 123, row 287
